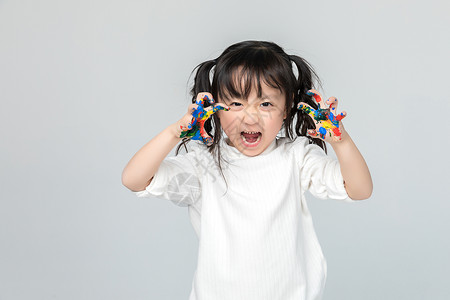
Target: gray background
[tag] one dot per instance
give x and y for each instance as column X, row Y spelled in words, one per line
column 85, row 84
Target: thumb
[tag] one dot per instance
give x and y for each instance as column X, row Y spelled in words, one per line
column 207, row 140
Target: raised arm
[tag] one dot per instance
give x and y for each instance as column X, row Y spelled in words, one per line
column 356, row 174
column 140, row 170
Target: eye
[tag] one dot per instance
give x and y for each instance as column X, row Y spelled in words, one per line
column 268, row 104
column 235, row 103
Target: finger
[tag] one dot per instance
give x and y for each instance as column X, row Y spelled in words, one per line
column 207, row 140
column 332, row 103
column 219, row 106
column 306, row 108
column 316, row 95
column 312, row 133
column 342, row 115
column 321, row 132
column 318, row 133
column 204, row 96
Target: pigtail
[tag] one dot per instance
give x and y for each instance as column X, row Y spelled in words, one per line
column 202, row 79
column 305, row 82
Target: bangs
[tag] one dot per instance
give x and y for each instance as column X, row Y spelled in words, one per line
column 236, row 77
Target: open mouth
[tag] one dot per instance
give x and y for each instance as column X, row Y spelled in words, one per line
column 251, row 138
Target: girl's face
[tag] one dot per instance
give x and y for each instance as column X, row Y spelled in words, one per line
column 252, row 124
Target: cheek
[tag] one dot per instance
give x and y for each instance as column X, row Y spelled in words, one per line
column 229, row 121
column 222, row 117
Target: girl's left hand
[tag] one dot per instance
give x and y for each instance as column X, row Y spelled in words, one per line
column 328, row 123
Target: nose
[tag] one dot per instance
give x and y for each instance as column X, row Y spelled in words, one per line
column 251, row 115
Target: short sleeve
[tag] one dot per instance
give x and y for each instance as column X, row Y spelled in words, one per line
column 176, row 180
column 320, row 174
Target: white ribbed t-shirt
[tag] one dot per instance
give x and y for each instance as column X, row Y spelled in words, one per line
column 256, row 238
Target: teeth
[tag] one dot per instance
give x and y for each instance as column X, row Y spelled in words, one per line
column 251, row 143
column 250, row 132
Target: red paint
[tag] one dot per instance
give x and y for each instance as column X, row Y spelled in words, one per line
column 202, row 128
column 336, row 131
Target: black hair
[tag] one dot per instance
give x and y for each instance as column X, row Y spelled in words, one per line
column 256, row 61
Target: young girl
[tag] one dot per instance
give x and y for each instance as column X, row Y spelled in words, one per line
column 243, row 183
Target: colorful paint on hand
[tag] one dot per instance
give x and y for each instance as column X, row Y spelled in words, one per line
column 196, row 130
column 325, row 117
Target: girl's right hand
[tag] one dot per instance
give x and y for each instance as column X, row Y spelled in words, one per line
column 191, row 125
